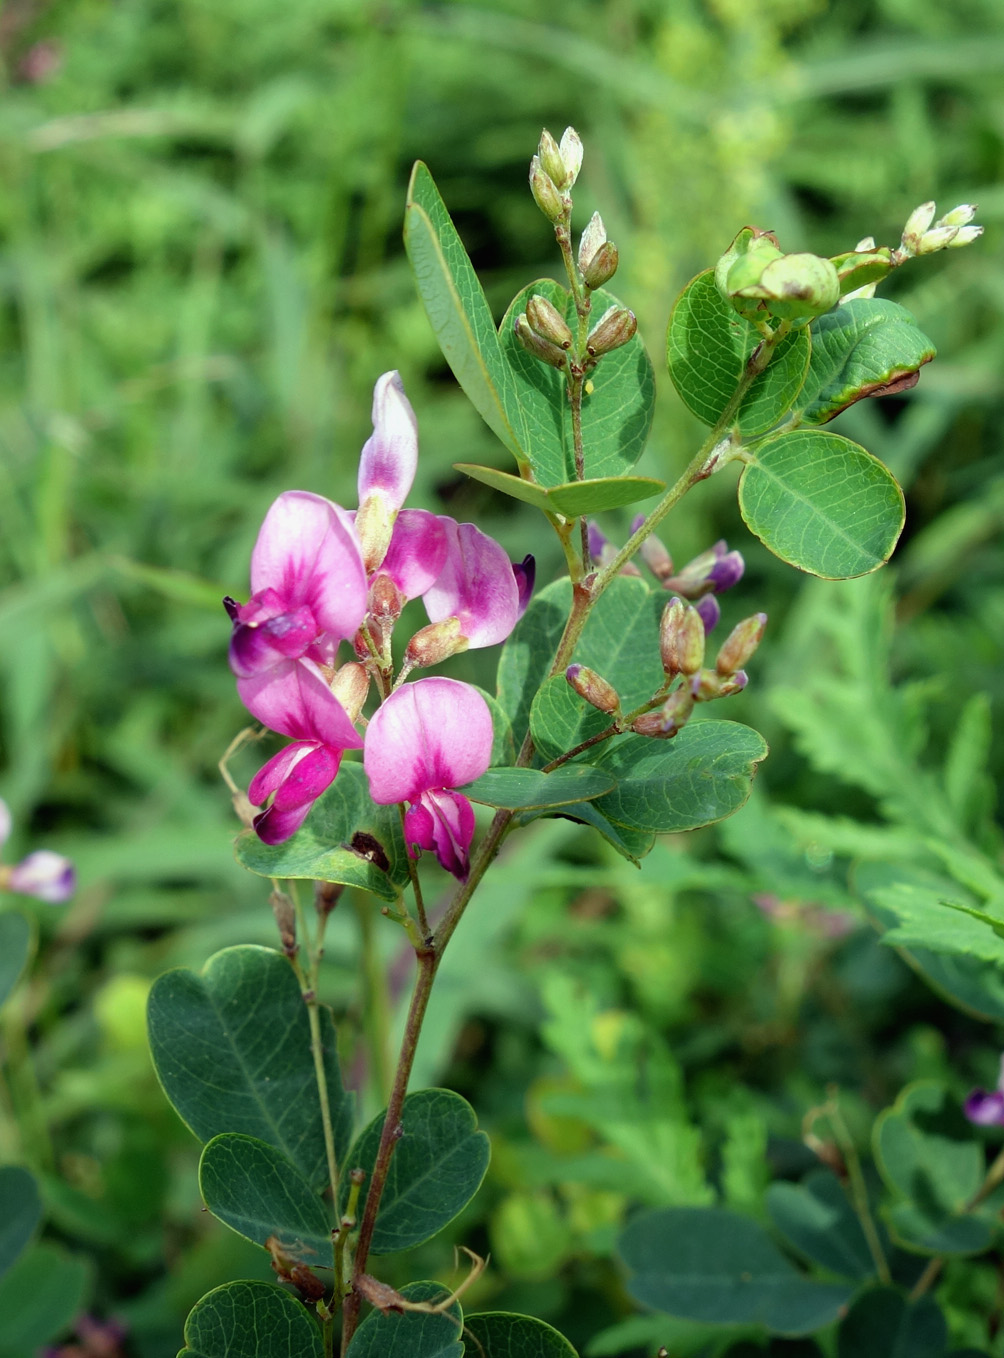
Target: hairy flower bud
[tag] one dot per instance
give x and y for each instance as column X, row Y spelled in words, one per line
column 571, row 155
column 545, row 192
column 916, row 225
column 350, row 685
column 602, row 267
column 681, row 638
column 615, row 327
column 592, row 238
column 596, row 690
column 958, row 216
column 536, row 345
column 434, row 644
column 740, row 644
column 669, row 719
column 547, row 321
column 550, row 159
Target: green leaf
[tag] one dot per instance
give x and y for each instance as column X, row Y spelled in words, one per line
column 16, row 945
column 232, row 1049
column 502, row 1334
column 629, row 843
column 531, row 790
column 560, row 718
column 258, row 1192
column 707, row 348
column 459, row 313
column 866, row 347
column 20, row 1212
column 411, row 1334
column 437, row 1167
column 699, row 777
column 884, row 1324
column 572, row 499
column 251, row 1320
column 39, row 1297
column 821, row 503
column 616, row 412
column 715, row 1266
column 927, row 1154
column 322, row 849
column 528, row 652
column 924, row 918
column 817, row 1219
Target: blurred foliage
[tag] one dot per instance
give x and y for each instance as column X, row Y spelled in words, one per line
column 202, row 275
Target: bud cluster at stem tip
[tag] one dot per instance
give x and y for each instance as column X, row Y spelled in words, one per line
column 553, row 171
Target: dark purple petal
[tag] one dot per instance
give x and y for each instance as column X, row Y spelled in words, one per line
column 707, row 606
column 525, row 572
column 442, row 821
column 257, row 646
column 598, row 542
column 986, row 1110
column 727, row 571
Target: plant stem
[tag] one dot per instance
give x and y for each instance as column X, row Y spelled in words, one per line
column 859, row 1189
column 376, row 1001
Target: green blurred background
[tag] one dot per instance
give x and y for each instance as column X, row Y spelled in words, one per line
column 202, row 275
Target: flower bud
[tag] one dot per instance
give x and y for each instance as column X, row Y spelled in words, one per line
column 740, row 644
column 669, row 719
column 537, row 346
column 615, row 327
column 707, row 606
column 602, row 267
column 653, row 553
column 938, row 238
column 545, row 193
column 916, row 225
column 434, row 644
column 681, row 638
column 571, row 155
column 547, row 321
column 374, row 524
column 794, row 286
column 712, row 571
column 965, row 236
column 350, row 685
column 596, row 690
column 592, row 238
column 859, row 269
column 550, row 159
column 959, row 216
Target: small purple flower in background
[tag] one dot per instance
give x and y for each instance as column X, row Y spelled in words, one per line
column 47, row 876
column 308, row 587
column 987, row 1109
column 427, row 739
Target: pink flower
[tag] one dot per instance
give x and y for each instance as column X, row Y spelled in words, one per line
column 47, row 876
column 294, row 699
column 308, row 587
column 427, row 739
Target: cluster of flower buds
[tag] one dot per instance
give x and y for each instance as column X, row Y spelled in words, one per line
column 597, row 257
column 922, row 235
column 43, row 874
column 757, row 277
column 544, row 332
column 553, row 171
column 320, row 576
column 986, row 1108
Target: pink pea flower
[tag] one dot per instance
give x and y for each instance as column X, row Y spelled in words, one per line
column 43, row 874
column 294, row 699
column 477, row 599
column 387, row 467
column 987, row 1109
column 308, row 587
column 427, row 739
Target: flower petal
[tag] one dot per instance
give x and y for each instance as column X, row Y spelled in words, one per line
column 443, row 822
column 417, row 552
column 986, row 1110
column 390, row 455
column 298, row 775
column 46, row 875
column 434, row 733
column 477, row 586
column 294, row 699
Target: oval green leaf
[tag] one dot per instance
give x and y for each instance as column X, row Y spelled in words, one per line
column 256, row 1191
column 232, row 1050
column 20, row 1212
column 251, row 1320
column 711, row 1265
column 617, row 409
column 532, row 790
column 411, row 1334
column 821, row 503
column 326, row 847
column 883, row 1323
column 437, row 1167
column 40, row 1295
column 459, row 313
column 16, row 944
column 707, row 348
column 817, row 1220
column 503, row 1334
column 699, row 777
column 572, row 499
column 866, row 347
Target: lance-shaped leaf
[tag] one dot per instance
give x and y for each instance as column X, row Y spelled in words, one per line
column 867, row 347
column 251, row 1320
column 711, row 1265
column 707, row 348
column 700, row 776
column 16, row 944
column 346, row 838
column 459, row 313
column 822, row 503
column 232, row 1049
column 617, row 407
column 20, row 1212
column 532, row 790
column 572, row 499
column 258, row 1192
column 411, row 1334
column 437, row 1167
column 503, row 1334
